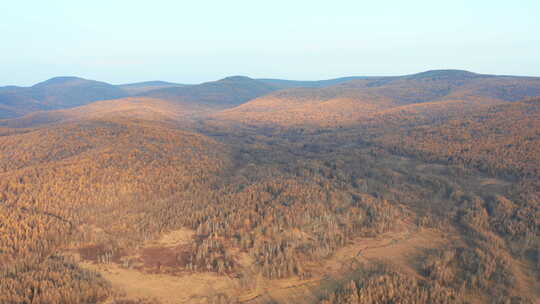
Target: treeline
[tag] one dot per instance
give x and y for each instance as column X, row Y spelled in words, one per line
column 382, row 284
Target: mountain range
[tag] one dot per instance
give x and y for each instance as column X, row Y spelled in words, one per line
column 265, row 101
column 67, row 92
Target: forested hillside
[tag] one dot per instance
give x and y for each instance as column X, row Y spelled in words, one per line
column 349, row 103
column 413, row 199
column 55, row 93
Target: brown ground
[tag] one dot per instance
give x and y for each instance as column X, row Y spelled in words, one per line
column 147, row 280
column 397, row 247
column 168, row 289
column 153, row 276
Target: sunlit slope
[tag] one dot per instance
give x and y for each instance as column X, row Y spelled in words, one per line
column 128, row 108
column 285, row 217
column 351, row 102
column 503, row 139
column 89, row 138
column 223, row 93
column 110, row 185
column 87, row 182
column 434, row 201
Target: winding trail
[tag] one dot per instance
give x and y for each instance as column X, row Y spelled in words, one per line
column 398, row 247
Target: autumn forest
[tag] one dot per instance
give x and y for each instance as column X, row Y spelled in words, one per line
column 421, row 188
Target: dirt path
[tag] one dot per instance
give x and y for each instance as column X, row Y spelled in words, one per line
column 397, row 247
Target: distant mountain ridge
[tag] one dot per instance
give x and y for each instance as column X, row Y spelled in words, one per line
column 350, row 101
column 226, row 92
column 310, row 83
column 235, row 90
column 447, row 74
column 55, row 93
column 145, row 86
column 61, row 80
column 379, row 91
column 150, row 83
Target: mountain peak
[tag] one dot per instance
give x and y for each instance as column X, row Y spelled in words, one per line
column 60, row 80
column 237, row 78
column 444, row 74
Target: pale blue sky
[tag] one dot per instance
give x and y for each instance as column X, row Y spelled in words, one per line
column 194, row 41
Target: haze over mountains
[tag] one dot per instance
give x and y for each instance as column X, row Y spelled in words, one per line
column 270, row 101
column 347, row 102
column 68, row 92
column 141, row 87
column 55, row 93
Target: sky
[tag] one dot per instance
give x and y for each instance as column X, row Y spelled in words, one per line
column 121, row 41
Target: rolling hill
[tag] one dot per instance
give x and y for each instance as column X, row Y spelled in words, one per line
column 55, row 93
column 503, row 139
column 150, row 109
column 343, row 99
column 236, row 90
column 223, row 93
column 68, row 92
column 125, row 204
column 349, row 102
column 16, row 102
column 416, row 189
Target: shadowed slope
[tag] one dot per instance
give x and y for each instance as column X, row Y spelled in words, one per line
column 145, row 108
column 349, row 102
column 66, row 92
column 282, row 217
column 55, row 93
column 14, row 103
column 223, row 93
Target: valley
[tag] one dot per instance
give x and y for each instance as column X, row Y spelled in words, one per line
column 420, row 188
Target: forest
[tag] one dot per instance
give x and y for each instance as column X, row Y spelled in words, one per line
column 432, row 202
